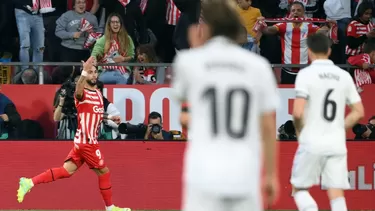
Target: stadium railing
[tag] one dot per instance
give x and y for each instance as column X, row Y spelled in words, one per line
column 41, row 66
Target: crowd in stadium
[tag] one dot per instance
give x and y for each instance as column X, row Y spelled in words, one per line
column 149, row 31
column 125, row 31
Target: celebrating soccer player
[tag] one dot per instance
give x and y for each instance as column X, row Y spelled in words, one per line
column 322, row 92
column 90, row 112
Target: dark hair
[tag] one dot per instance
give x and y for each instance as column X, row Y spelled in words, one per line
column 369, row 46
column 74, row 3
column 222, row 19
column 372, row 118
column 154, row 115
column 149, row 50
column 365, row 5
column 297, row 3
column 319, row 43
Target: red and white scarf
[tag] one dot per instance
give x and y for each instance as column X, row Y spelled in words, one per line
column 261, row 24
column 108, row 58
column 124, row 2
column 44, row 6
column 143, row 5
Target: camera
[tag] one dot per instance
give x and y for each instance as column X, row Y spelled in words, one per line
column 155, row 128
column 287, row 131
column 69, row 89
column 127, row 128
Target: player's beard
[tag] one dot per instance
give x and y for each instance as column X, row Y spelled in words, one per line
column 90, row 83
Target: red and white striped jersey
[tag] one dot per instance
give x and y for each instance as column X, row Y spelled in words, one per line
column 357, row 29
column 90, row 110
column 293, row 42
column 361, row 76
column 173, row 14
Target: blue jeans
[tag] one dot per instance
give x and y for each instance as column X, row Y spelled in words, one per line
column 31, row 32
column 113, row 77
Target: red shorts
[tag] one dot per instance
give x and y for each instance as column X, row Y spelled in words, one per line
column 89, row 153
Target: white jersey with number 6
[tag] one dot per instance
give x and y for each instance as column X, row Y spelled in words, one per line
column 228, row 89
column 321, row 156
column 328, row 90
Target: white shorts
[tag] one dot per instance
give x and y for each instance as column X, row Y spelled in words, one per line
column 194, row 200
column 308, row 168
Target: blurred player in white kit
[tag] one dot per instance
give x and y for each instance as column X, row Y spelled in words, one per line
column 322, row 92
column 232, row 98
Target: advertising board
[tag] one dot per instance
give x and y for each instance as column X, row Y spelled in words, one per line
column 136, row 102
column 147, row 175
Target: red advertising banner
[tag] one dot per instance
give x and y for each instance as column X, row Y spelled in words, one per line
column 136, row 102
column 147, row 175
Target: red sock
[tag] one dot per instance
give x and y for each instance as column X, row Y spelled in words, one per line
column 106, row 188
column 51, row 175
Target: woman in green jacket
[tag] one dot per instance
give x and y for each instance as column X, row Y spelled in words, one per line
column 116, row 46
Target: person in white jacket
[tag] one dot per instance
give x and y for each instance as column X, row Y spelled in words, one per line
column 340, row 11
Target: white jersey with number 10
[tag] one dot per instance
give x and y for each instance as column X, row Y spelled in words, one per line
column 228, row 89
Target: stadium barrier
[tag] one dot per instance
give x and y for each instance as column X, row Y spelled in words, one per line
column 147, row 175
column 135, row 102
column 40, row 66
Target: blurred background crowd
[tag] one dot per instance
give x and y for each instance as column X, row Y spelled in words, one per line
column 153, row 31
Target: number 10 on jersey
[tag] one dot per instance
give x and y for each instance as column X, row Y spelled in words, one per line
column 222, row 120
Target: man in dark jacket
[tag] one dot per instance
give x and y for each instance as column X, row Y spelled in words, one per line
column 190, row 13
column 9, row 118
column 132, row 16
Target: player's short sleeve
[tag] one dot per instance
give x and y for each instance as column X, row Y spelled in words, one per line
column 353, row 96
column 351, row 31
column 270, row 98
column 180, row 80
column 281, row 27
column 301, row 85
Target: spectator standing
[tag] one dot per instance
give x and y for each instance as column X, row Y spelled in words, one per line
column 131, row 13
column 52, row 42
column 154, row 15
column 7, row 27
column 190, row 13
column 293, row 41
column 31, row 30
column 359, row 30
column 116, row 46
column 68, row 29
column 340, row 11
column 172, row 16
column 249, row 16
